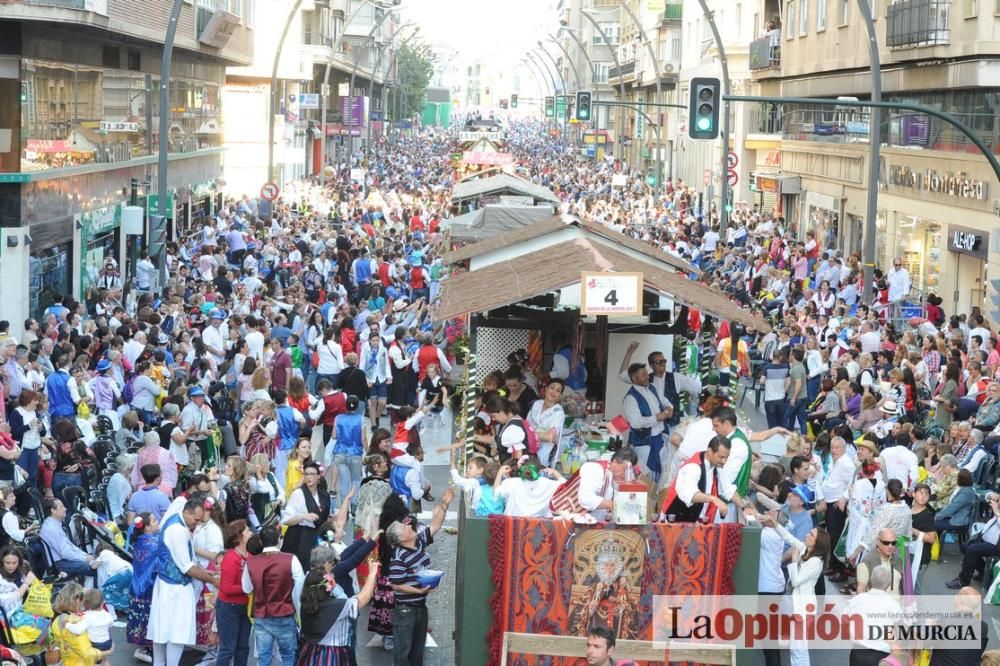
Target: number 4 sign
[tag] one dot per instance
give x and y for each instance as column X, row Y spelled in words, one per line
column 618, row 294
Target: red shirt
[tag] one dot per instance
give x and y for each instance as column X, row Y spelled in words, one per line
column 231, row 579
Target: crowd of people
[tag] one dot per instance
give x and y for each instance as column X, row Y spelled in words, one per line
column 257, row 429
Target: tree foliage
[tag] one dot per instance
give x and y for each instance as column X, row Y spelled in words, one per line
column 414, row 68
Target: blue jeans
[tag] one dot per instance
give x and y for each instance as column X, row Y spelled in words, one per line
column 812, row 387
column 348, row 475
column 774, row 410
column 76, row 568
column 29, row 463
column 796, row 411
column 234, row 633
column 409, row 635
column 276, row 630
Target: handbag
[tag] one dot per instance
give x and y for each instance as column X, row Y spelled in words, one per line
column 315, row 359
column 39, row 599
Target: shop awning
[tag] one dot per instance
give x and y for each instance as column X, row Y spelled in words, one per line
column 501, row 184
column 536, row 273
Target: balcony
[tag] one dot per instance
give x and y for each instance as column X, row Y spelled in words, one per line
column 766, row 119
column 673, row 13
column 628, row 69
column 912, row 23
column 763, row 55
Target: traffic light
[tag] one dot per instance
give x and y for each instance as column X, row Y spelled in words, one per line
column 703, row 108
column 503, row 104
column 157, row 238
column 550, row 107
column 24, row 92
column 513, row 101
column 582, row 109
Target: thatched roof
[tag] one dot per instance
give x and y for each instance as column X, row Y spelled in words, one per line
column 557, row 223
column 548, row 269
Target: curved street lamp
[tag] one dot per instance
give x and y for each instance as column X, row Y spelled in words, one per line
column 576, row 72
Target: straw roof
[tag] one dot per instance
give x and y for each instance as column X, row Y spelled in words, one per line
column 558, row 223
column 542, row 271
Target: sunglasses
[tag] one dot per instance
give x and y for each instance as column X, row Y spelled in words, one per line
column 662, row 361
column 887, row 543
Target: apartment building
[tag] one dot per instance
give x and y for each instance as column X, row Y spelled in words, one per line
column 656, row 24
column 700, row 162
column 938, row 199
column 367, row 47
column 79, row 117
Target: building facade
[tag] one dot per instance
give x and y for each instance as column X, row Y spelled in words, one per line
column 79, row 117
column 937, row 197
column 353, row 117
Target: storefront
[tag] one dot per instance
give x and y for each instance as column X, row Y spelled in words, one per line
column 50, row 258
column 778, row 191
column 100, row 238
column 970, row 252
column 821, row 214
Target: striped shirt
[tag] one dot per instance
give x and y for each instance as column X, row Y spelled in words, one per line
column 405, row 564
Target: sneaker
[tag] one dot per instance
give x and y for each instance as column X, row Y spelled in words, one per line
column 387, row 643
column 954, row 584
column 144, row 655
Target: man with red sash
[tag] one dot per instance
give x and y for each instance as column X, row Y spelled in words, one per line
column 599, row 480
column 702, row 489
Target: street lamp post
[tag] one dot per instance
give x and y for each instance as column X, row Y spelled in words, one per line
column 726, row 90
column 659, row 91
column 371, row 81
column 325, row 91
column 874, row 146
column 539, row 81
column 354, row 73
column 593, row 68
column 576, row 72
column 161, row 163
column 565, row 92
column 618, row 66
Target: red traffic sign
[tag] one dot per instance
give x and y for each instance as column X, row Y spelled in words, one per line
column 270, row 191
column 732, row 160
column 707, row 177
column 732, row 177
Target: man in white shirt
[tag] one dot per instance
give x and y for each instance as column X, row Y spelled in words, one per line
column 144, row 270
column 710, row 240
column 834, row 489
column 646, row 412
column 899, row 462
column 870, row 340
column 599, row 480
column 255, row 340
column 874, row 606
column 899, row 287
column 214, row 337
column 702, row 490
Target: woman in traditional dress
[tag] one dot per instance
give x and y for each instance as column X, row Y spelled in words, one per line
column 237, row 493
column 375, row 489
column 143, row 575
column 865, row 495
column 328, row 620
column 265, row 491
column 384, row 599
column 261, row 429
column 547, row 419
column 308, row 507
column 208, row 549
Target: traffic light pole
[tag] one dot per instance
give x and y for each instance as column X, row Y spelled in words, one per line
column 565, row 92
column 726, row 90
column 874, row 146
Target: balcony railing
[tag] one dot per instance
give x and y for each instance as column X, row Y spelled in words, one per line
column 68, row 4
column 673, row 12
column 314, row 38
column 763, row 55
column 766, row 119
column 917, row 23
column 626, row 69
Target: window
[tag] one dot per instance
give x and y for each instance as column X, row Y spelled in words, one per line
column 790, row 19
column 601, row 72
column 820, row 15
column 676, row 48
column 611, row 29
column 845, row 12
column 804, row 18
column 970, row 8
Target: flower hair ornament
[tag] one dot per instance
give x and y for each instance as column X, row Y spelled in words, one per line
column 139, row 523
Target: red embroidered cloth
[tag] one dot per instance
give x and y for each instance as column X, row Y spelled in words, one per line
column 553, row 577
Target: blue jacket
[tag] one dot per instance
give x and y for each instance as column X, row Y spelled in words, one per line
column 61, row 404
column 962, row 507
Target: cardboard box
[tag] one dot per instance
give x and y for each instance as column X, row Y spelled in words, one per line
column 631, row 504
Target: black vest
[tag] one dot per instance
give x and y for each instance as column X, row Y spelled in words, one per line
column 681, row 512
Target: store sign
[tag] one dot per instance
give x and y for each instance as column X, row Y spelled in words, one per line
column 765, row 184
column 308, row 100
column 118, row 126
column 101, row 220
column 48, row 146
column 617, row 294
column 958, row 185
column 495, row 137
column 968, row 241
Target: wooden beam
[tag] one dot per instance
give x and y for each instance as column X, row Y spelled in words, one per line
column 576, row 646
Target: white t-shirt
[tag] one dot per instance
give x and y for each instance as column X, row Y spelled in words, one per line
column 528, row 499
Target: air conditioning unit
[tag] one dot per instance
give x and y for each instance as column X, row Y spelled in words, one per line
column 217, row 27
column 668, row 67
